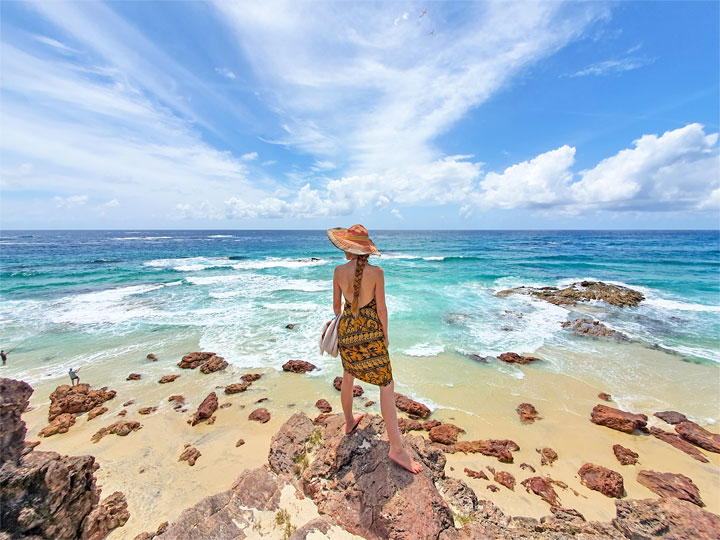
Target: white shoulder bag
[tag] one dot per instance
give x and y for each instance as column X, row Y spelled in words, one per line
column 329, row 337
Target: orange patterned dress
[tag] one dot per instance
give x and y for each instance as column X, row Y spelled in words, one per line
column 361, row 343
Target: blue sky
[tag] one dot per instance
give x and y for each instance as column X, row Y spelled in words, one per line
column 288, row 114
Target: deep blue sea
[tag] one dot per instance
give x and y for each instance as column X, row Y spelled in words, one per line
column 69, row 297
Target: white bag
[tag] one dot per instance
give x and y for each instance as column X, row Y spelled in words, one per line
column 329, row 337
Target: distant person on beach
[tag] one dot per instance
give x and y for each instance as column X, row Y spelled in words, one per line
column 363, row 334
column 3, row 355
column 74, row 379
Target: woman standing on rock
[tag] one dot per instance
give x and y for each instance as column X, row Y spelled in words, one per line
column 363, row 333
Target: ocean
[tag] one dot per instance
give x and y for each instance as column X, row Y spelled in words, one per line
column 75, row 298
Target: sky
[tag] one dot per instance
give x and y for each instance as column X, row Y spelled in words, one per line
column 309, row 115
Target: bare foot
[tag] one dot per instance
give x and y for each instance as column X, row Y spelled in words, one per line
column 349, row 428
column 403, row 459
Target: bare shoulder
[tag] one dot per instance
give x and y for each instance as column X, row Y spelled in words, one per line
column 376, row 271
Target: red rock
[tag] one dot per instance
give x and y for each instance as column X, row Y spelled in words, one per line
column 168, row 378
column 121, row 428
column 671, row 417
column 582, row 291
column 205, row 410
column 210, row 421
column 589, row 327
column 357, row 389
column 429, row 424
column 240, row 442
column 128, row 402
column 122, row 413
column 235, row 388
column 699, row 436
column 147, row 410
column 152, row 357
column 527, row 466
column 602, row 479
column 547, row 455
column 193, row 360
column 323, row 405
column 679, row 443
column 133, row 377
column 665, row 519
column 476, row 474
column 77, row 399
column 369, row 403
column 671, row 485
column 406, row 425
column 110, row 514
column 542, row 488
column 251, row 377
column 444, row 433
column 190, row 454
column 501, row 449
column 179, row 401
column 224, row 405
column 411, row 407
column 321, row 418
column 527, row 412
column 492, row 487
column 604, row 396
column 259, row 415
column 261, row 400
column 97, row 411
column 214, row 363
column 617, row 419
column 298, row 366
column 60, row 424
column 514, row 358
column 506, row 479
column 624, row 455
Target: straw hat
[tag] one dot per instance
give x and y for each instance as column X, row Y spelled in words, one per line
column 353, row 240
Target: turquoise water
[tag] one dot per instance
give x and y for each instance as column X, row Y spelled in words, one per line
column 76, row 297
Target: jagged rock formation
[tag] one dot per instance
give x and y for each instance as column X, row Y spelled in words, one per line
column 582, row 291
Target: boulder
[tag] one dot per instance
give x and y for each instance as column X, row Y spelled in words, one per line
column 195, row 359
column 259, row 415
column 236, row 388
column 168, row 378
column 626, row 422
column 133, row 377
column 178, row 400
column 77, row 399
column 498, row 448
column 547, row 455
column 624, row 455
column 588, row 327
column 671, row 485
column 679, row 443
column 298, row 366
column 699, row 436
column 582, row 291
column 542, row 488
column 239, row 442
column 251, row 377
column 190, row 454
column 290, row 326
column 602, row 479
column 152, row 357
column 665, row 519
column 97, row 411
column 427, row 425
column 671, row 417
column 214, row 363
column 411, row 407
column 206, row 409
column 527, row 412
column 444, row 433
column 514, row 358
column 369, row 403
column 323, row 405
column 121, row 428
column 60, row 424
column 110, row 514
column 604, row 396
column 357, row 389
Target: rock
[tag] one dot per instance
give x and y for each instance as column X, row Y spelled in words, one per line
column 261, row 400
column 121, row 428
column 147, row 410
column 323, row 405
column 240, row 442
column 289, row 443
column 665, row 519
column 205, row 410
column 14, row 400
column 122, row 413
column 444, row 433
column 679, row 443
column 671, row 417
column 478, row 358
column 290, row 326
column 321, row 418
column 369, row 403
column 152, row 357
column 427, row 425
column 97, row 411
column 298, row 366
column 506, row 479
column 406, row 424
column 321, row 525
column 110, row 514
column 527, row 466
column 499, row 448
column 476, row 474
column 514, row 358
column 195, row 359
column 215, row 363
column 251, row 377
column 133, row 377
column 168, row 378
column 604, row 396
column 190, row 454
column 542, row 488
column 566, row 514
column 128, row 402
column 671, row 485
column 699, row 436
column 602, row 479
column 210, row 421
column 224, row 405
column 548, row 456
column 77, row 399
column 493, row 488
column 357, row 389
column 617, row 419
column 588, row 327
column 527, row 412
column 60, row 424
column 178, row 400
column 583, row 291
column 236, row 388
column 411, row 407
column 624, row 455
column 259, row 415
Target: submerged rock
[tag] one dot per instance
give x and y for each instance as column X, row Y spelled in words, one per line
column 514, row 358
column 589, row 327
column 168, row 378
column 121, row 428
column 195, row 359
column 298, row 366
column 134, row 377
column 617, row 419
column 671, row 485
column 527, row 412
column 604, row 396
column 583, row 291
column 151, row 357
column 411, row 407
column 602, row 479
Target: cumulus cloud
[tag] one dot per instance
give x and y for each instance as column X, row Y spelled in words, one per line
column 71, row 201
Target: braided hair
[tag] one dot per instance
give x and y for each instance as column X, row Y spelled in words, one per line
column 359, row 267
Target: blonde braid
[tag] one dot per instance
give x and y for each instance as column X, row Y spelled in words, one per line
column 359, row 267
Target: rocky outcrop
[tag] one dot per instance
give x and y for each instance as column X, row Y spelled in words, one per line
column 77, row 399
column 602, row 479
column 110, row 514
column 168, row 379
column 206, row 409
column 679, row 443
column 357, row 389
column 14, row 399
column 582, row 291
column 213, row 364
column 589, row 327
column 671, row 417
column 624, row 455
column 514, row 358
column 323, row 405
column 298, row 366
column 260, row 415
column 190, row 454
column 444, row 433
column 527, row 413
column 195, row 359
column 671, row 485
column 499, row 448
column 236, row 388
column 665, row 519
column 413, row 408
column 60, row 424
column 121, row 428
column 699, row 436
column 547, row 455
column 134, row 377
column 626, row 422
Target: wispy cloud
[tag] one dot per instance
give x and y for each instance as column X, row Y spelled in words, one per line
column 71, row 201
column 225, row 72
column 626, row 62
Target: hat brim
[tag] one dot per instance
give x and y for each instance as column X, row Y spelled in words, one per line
column 339, row 237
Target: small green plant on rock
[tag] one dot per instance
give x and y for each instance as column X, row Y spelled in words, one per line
column 282, row 520
column 316, row 438
column 301, row 463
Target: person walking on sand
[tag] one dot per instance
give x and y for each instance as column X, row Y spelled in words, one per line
column 3, row 355
column 363, row 334
column 74, row 379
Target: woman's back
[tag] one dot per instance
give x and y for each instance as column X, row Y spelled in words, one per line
column 345, row 277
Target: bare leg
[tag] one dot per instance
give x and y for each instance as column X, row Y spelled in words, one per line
column 346, row 398
column 397, row 452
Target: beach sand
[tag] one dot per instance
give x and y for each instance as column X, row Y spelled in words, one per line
column 480, row 398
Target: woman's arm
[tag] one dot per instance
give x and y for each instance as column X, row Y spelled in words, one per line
column 381, row 306
column 337, row 294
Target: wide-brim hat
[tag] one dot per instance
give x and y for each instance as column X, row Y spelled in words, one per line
column 354, row 240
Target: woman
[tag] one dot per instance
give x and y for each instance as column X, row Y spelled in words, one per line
column 363, row 334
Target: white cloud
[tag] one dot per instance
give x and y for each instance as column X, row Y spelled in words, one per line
column 55, row 44
column 608, row 67
column 323, row 165
column 250, row 156
column 112, row 203
column 225, row 72
column 70, row 202
column 269, row 162
column 395, row 212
